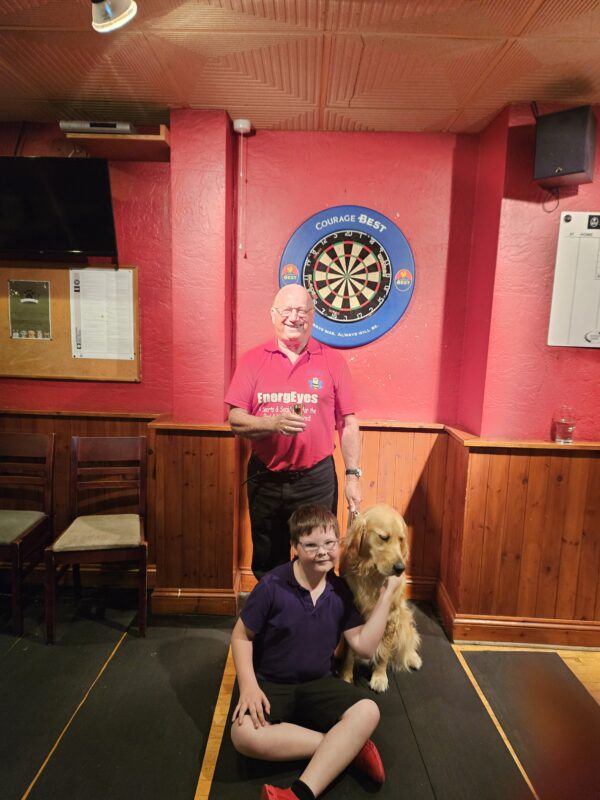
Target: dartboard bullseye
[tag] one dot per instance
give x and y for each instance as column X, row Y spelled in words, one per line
column 348, row 274
column 358, row 268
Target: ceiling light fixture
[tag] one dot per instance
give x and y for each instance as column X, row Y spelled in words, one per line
column 108, row 15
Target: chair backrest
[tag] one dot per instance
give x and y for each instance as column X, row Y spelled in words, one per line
column 26, row 470
column 108, row 475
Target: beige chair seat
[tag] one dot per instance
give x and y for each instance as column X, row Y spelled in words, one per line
column 100, row 532
column 14, row 523
column 108, row 482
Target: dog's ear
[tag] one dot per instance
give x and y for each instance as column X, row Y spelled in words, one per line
column 404, row 547
column 356, row 533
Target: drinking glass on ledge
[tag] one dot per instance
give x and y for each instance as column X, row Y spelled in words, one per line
column 563, row 424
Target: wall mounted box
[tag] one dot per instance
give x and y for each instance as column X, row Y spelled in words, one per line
column 84, row 126
column 565, row 143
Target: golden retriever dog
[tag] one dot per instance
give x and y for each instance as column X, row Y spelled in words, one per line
column 376, row 547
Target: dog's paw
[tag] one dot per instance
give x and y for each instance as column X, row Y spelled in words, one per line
column 415, row 661
column 379, row 683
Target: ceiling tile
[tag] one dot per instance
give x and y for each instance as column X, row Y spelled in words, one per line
column 397, row 71
column 381, row 119
column 566, row 19
column 473, row 120
column 74, row 65
column 220, row 69
column 46, row 13
column 232, row 15
column 545, row 71
column 439, row 17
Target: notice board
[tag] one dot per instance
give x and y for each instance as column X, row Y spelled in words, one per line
column 74, row 323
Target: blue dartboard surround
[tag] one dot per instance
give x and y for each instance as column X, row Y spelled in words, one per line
column 359, row 268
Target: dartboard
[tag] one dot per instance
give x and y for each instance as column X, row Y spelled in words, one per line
column 348, row 274
column 357, row 266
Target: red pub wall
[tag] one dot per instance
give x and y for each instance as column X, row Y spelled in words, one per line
column 407, row 373
column 526, row 379
column 464, row 352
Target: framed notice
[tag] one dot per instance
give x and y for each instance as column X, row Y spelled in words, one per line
column 102, row 314
column 69, row 323
column 29, row 310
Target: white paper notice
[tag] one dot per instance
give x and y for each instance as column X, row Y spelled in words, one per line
column 102, row 313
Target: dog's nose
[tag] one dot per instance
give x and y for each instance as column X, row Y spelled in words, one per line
column 399, row 568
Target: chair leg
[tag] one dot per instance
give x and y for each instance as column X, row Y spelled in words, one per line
column 143, row 593
column 50, row 580
column 16, row 591
column 76, row 580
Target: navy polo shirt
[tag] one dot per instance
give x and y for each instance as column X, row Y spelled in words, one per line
column 294, row 639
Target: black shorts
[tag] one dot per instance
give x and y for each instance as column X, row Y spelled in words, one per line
column 317, row 704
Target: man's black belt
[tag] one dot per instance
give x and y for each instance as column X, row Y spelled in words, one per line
column 283, row 475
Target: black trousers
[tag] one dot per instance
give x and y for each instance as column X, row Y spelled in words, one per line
column 273, row 497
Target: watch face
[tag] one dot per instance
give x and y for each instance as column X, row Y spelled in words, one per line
column 348, row 274
column 358, row 268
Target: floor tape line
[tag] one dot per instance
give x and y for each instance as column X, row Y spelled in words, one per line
column 215, row 737
column 72, row 717
column 494, row 718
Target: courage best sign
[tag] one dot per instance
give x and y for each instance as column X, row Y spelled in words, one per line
column 359, row 269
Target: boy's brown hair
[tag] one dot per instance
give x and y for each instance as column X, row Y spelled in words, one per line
column 305, row 519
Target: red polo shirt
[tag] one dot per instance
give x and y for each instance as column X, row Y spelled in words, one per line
column 266, row 383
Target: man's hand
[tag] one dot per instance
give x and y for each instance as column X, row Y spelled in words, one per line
column 288, row 423
column 353, row 493
column 255, row 702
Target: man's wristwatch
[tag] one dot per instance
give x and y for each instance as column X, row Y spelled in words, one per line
column 355, row 471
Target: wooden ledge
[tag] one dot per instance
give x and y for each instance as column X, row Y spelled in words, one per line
column 125, row 146
column 396, row 425
column 21, row 412
column 165, row 422
column 168, row 423
column 475, row 443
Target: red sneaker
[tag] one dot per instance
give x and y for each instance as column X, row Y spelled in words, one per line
column 368, row 761
column 273, row 793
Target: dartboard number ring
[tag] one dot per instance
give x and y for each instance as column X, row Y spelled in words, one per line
column 357, row 266
column 348, row 274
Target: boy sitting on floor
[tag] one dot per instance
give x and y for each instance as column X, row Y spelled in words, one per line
column 291, row 705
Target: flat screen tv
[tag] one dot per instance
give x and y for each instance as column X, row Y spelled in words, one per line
column 53, row 208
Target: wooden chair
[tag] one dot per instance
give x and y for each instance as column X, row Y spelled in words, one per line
column 26, row 461
column 108, row 508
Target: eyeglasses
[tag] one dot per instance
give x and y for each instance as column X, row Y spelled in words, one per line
column 301, row 311
column 312, row 547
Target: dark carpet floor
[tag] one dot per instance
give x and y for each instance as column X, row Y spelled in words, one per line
column 550, row 719
column 136, row 725
column 435, row 738
column 142, row 729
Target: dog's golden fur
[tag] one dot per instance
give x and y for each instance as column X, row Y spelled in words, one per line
column 376, row 547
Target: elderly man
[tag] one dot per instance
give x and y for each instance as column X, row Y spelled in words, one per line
column 288, row 396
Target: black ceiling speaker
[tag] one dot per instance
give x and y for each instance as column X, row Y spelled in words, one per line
column 565, row 143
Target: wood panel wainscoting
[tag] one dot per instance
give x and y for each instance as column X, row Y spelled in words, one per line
column 504, row 536
column 521, row 545
column 403, row 465
column 195, row 485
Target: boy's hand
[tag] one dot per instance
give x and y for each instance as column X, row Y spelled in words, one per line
column 390, row 584
column 255, row 702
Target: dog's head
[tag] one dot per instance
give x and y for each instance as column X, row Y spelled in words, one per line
column 377, row 539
